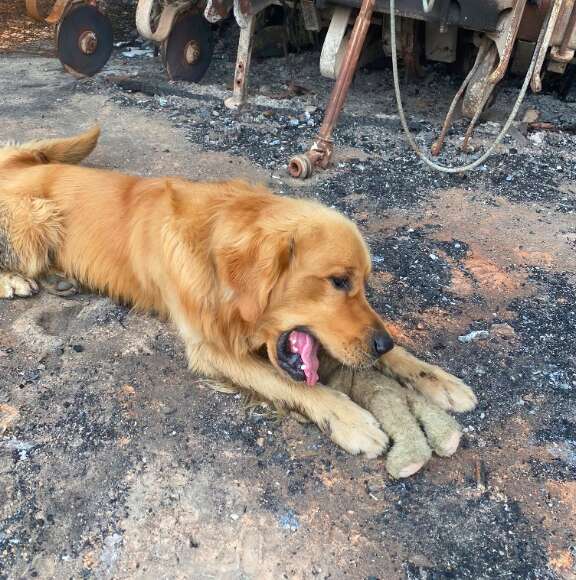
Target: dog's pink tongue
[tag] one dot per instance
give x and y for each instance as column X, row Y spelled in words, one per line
column 307, row 348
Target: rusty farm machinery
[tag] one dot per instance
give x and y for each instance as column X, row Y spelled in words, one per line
column 492, row 37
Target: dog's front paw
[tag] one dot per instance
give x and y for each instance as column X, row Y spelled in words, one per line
column 438, row 386
column 355, row 429
column 445, row 390
column 16, row 285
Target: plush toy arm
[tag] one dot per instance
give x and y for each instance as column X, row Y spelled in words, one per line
column 415, row 425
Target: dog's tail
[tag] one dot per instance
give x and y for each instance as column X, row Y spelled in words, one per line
column 70, row 150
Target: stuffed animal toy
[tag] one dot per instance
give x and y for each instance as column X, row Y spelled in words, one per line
column 415, row 425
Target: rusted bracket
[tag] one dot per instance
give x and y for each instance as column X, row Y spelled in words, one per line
column 246, row 9
column 334, row 47
column 145, row 17
column 505, row 42
column 245, row 12
column 564, row 53
column 484, row 76
column 536, row 82
column 320, row 154
column 243, row 58
column 502, row 48
column 56, row 12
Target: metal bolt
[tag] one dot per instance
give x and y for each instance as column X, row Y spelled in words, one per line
column 88, row 42
column 192, row 52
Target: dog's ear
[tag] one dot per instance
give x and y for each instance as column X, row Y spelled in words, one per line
column 251, row 266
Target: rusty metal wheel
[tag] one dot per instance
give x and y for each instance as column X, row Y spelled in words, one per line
column 84, row 40
column 187, row 52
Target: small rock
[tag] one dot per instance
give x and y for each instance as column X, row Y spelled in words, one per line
column 375, row 487
column 474, row 336
column 8, row 415
column 289, row 521
column 133, row 52
column 537, row 138
column 21, row 447
column 531, row 116
column 502, row 330
column 110, row 551
column 128, row 391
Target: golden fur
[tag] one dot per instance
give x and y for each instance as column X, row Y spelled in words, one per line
column 230, row 263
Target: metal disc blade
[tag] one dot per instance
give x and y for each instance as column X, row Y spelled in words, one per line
column 187, row 51
column 84, row 40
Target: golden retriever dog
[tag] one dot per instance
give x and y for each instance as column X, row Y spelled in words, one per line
column 257, row 285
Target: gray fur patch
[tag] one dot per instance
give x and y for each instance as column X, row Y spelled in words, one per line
column 8, row 258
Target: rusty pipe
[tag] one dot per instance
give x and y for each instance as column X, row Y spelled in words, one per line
column 54, row 14
column 301, row 166
column 347, row 70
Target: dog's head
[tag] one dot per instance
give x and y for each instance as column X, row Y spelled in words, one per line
column 296, row 272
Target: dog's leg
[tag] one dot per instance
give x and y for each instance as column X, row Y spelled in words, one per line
column 442, row 388
column 348, row 425
column 30, row 229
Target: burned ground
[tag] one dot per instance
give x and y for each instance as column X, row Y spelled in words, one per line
column 117, row 462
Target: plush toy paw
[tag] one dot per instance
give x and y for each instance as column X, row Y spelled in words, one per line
column 416, row 426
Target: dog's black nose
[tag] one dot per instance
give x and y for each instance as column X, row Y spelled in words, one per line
column 381, row 343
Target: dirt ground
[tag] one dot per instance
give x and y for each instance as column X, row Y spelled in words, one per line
column 117, row 462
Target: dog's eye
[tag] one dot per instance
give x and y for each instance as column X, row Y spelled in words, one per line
column 340, row 282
